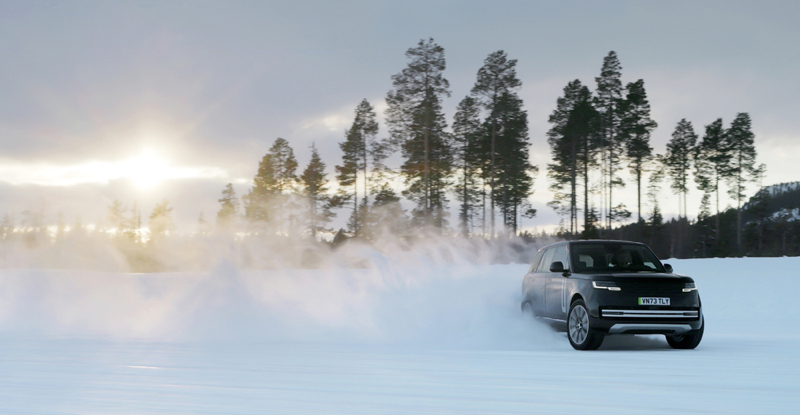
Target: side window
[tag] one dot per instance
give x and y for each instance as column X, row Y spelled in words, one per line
column 544, row 266
column 536, row 260
column 561, row 255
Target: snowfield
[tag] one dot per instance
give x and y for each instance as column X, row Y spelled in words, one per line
column 408, row 337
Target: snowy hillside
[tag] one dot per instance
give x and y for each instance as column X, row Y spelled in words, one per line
column 781, row 188
column 400, row 337
column 779, row 201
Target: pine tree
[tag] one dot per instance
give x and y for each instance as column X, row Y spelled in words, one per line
column 258, row 202
column 607, row 101
column 360, row 144
column 583, row 128
column 467, row 133
column 758, row 208
column 702, row 218
column 315, row 188
column 513, row 181
column 386, row 215
column 678, row 161
column 573, row 143
column 655, row 222
column 229, row 208
column 134, row 224
column 160, row 220
column 496, row 78
column 116, row 216
column 563, row 171
column 440, row 163
column 705, row 207
column 712, row 157
column 285, row 166
column 270, row 199
column 742, row 168
column 635, row 128
column 416, row 124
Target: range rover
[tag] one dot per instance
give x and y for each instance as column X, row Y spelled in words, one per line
column 601, row 287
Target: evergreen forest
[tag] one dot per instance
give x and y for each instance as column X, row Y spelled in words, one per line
column 469, row 176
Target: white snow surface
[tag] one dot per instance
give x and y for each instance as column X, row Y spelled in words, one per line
column 397, row 338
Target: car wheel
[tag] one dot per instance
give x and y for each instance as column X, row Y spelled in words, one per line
column 527, row 309
column 581, row 336
column 689, row 340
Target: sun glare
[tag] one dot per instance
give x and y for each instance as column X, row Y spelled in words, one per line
column 145, row 170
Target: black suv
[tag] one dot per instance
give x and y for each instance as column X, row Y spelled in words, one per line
column 612, row 287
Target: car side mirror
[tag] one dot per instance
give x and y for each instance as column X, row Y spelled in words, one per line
column 668, row 267
column 557, row 266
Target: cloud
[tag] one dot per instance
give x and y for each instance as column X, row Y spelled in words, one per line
column 330, row 122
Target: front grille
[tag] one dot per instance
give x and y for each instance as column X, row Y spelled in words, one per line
column 641, row 313
column 651, row 287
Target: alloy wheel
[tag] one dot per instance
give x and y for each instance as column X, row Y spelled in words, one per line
column 578, row 324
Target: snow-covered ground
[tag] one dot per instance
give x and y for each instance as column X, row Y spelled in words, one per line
column 397, row 338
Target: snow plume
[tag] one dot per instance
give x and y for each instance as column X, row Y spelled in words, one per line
column 455, row 306
column 100, row 251
column 436, row 292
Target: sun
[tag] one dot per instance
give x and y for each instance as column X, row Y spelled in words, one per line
column 146, row 170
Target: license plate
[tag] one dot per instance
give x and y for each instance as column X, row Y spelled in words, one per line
column 653, row 301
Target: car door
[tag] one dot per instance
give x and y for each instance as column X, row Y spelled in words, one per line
column 529, row 289
column 538, row 281
column 555, row 285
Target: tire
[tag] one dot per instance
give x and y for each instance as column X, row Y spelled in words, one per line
column 527, row 309
column 689, row 340
column 581, row 336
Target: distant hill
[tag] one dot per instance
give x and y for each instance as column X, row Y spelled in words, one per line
column 770, row 228
column 779, row 201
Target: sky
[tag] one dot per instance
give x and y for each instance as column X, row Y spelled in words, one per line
column 141, row 101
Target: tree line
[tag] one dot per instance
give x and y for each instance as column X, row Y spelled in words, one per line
column 595, row 135
column 481, row 161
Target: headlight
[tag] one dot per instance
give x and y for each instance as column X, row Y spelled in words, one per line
column 689, row 287
column 606, row 285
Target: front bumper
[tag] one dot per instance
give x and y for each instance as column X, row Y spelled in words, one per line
column 648, row 325
column 616, row 313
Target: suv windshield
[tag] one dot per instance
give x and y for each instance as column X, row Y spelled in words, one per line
column 613, row 257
